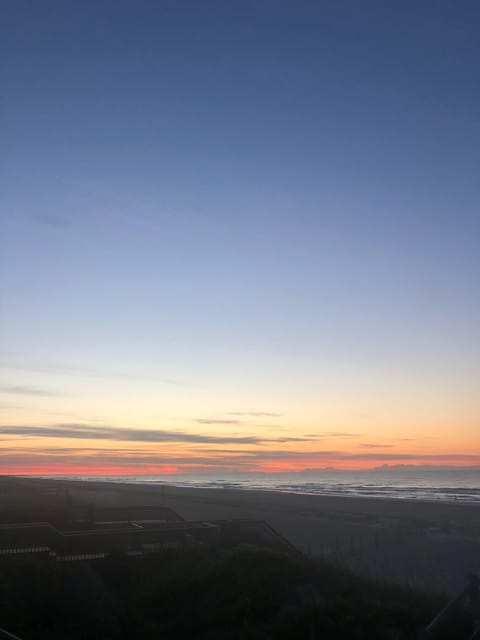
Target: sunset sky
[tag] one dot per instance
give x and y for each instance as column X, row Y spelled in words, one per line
column 239, row 235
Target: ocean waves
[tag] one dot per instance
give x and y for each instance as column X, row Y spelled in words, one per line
column 446, row 486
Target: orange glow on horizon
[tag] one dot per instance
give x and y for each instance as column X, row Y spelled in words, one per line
column 285, row 466
column 223, row 447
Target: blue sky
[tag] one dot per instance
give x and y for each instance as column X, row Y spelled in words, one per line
column 253, row 204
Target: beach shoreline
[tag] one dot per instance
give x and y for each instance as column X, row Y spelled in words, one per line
column 332, row 494
column 400, row 507
column 424, row 489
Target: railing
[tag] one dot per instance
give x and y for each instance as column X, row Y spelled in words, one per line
column 469, row 597
column 7, row 635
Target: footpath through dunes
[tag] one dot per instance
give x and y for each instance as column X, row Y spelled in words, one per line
column 423, row 544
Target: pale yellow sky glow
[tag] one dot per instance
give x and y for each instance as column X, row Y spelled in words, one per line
column 80, row 425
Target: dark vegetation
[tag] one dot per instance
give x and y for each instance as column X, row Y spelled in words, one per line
column 241, row 593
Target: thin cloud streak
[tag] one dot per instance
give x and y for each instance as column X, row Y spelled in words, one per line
column 26, row 390
column 371, row 445
column 95, row 432
column 332, row 434
column 255, row 414
column 52, row 222
column 340, row 434
column 213, row 421
column 84, row 372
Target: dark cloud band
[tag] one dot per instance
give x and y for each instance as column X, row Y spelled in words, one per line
column 95, row 432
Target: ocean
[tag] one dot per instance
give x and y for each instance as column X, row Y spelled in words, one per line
column 445, row 485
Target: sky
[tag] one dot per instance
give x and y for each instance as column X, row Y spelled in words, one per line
column 239, row 236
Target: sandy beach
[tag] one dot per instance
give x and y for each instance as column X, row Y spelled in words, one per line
column 431, row 545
